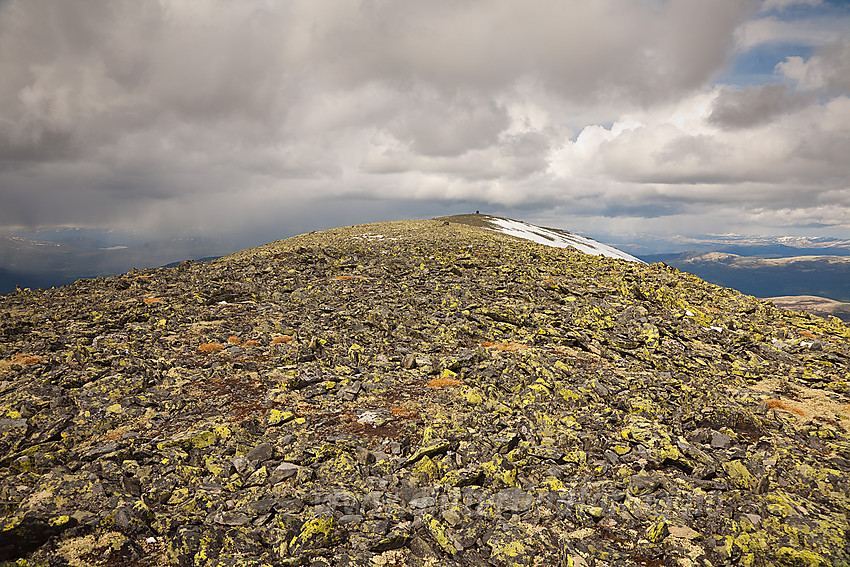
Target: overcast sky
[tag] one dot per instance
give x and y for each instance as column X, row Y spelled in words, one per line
column 269, row 118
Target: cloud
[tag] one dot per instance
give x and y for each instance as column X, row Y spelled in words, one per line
column 608, row 48
column 437, row 126
column 778, row 163
column 812, row 31
column 827, row 70
column 742, row 108
column 215, row 116
column 781, row 5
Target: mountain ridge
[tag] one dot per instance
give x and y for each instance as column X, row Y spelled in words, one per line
column 556, row 237
column 419, row 393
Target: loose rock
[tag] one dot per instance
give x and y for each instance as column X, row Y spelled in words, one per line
column 441, row 395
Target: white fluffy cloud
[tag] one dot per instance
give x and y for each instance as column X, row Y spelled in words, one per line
column 828, row 70
column 221, row 115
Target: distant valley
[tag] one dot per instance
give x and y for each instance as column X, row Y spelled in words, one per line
column 804, row 277
column 825, row 276
column 62, row 257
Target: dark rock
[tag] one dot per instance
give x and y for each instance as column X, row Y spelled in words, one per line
column 642, row 484
column 513, row 500
column 260, row 453
column 25, row 535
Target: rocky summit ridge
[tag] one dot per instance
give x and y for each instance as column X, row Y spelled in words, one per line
column 419, row 393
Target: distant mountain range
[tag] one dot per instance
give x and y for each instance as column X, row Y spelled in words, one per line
column 647, row 246
column 823, row 275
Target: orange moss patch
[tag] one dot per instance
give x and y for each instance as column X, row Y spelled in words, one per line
column 26, row 359
column 550, row 280
column 151, row 300
column 509, row 346
column 443, row 383
column 283, row 339
column 808, row 334
column 210, row 347
column 344, row 278
column 401, row 411
column 234, row 340
column 774, row 403
column 807, row 404
column 252, row 342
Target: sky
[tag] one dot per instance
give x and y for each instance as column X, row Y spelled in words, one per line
column 260, row 119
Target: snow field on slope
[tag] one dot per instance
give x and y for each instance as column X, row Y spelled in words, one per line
column 559, row 239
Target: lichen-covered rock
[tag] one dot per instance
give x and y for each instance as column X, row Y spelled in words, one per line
column 438, row 395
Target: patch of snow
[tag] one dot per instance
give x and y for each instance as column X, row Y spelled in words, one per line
column 372, row 417
column 114, row 248
column 689, row 313
column 33, row 242
column 560, row 239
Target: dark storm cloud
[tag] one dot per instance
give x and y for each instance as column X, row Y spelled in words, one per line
column 219, row 115
column 742, row 108
column 438, row 127
column 642, row 50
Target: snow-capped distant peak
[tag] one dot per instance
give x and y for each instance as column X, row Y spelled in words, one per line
column 557, row 238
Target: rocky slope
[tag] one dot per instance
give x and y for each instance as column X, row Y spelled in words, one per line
column 419, row 393
column 815, row 305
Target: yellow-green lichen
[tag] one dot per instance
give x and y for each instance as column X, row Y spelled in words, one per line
column 439, row 533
